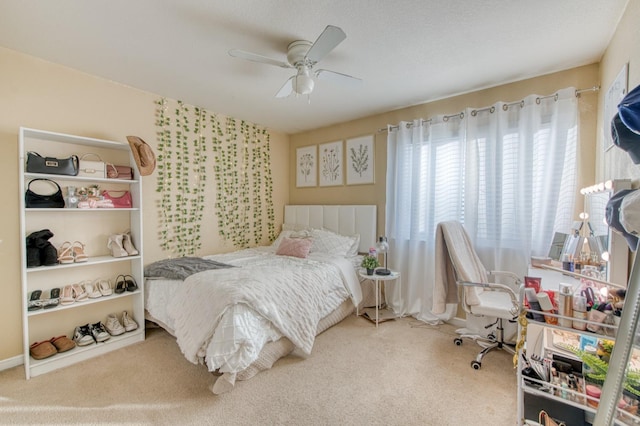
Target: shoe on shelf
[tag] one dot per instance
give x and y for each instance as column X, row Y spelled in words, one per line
column 42, row 350
column 33, row 257
column 79, row 294
column 121, row 284
column 67, row 295
column 62, row 343
column 98, row 332
column 128, row 322
column 53, row 300
column 48, row 255
column 104, row 286
column 65, row 253
column 128, row 244
column 131, row 283
column 113, row 326
column 92, row 289
column 78, row 252
column 116, row 247
column 82, row 335
column 35, row 302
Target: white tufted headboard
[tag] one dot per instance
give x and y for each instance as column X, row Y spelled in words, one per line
column 342, row 219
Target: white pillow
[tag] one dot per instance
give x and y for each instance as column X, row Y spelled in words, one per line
column 325, row 241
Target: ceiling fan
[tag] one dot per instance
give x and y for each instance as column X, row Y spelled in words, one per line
column 303, row 55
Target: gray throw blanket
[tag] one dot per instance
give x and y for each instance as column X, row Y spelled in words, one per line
column 181, row 267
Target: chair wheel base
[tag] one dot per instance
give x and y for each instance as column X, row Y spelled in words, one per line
column 476, row 365
column 457, row 341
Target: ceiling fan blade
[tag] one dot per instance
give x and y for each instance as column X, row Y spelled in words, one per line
column 258, row 58
column 326, row 42
column 336, row 77
column 286, row 88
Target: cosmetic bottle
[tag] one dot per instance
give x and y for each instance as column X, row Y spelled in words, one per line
column 565, row 305
column 580, row 312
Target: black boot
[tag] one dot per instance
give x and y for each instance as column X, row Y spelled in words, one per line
column 39, row 238
column 49, row 255
column 33, row 257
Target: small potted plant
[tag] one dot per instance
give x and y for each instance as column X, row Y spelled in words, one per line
column 370, row 263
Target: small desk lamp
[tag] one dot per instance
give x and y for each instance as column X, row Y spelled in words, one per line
column 383, row 247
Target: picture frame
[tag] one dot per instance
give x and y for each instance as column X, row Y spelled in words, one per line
column 306, row 166
column 615, row 93
column 360, row 162
column 330, row 164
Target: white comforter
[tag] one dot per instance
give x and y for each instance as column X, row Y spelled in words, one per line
column 289, row 295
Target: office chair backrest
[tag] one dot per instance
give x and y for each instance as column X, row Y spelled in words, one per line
column 466, row 264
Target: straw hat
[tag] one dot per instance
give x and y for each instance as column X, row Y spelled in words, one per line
column 143, row 154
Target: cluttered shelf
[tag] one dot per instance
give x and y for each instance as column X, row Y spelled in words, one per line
column 570, row 328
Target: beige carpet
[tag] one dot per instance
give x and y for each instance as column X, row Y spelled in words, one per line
column 399, row 374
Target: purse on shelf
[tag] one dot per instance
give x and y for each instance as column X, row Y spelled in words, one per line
column 119, row 172
column 123, row 201
column 545, row 420
column 92, row 168
column 51, row 165
column 33, row 200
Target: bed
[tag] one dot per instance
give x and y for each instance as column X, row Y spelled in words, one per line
column 238, row 313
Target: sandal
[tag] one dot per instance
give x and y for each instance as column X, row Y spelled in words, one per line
column 67, row 295
column 65, row 253
column 53, row 300
column 92, row 289
column 121, row 284
column 78, row 293
column 115, row 244
column 131, row 283
column 78, row 252
column 104, row 286
column 35, row 302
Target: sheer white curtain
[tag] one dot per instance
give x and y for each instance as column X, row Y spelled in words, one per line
column 425, row 164
column 507, row 172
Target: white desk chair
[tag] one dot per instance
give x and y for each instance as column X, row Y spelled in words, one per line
column 480, row 296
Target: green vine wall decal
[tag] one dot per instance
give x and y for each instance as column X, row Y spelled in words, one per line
column 243, row 186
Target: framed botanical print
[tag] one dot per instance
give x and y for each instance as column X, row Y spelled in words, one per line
column 614, row 95
column 360, row 160
column 306, row 166
column 330, row 164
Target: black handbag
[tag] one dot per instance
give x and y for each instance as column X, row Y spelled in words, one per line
column 37, row 201
column 50, row 165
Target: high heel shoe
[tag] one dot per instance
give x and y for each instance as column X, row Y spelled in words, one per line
column 115, row 244
column 78, row 252
column 131, row 283
column 65, row 253
column 121, row 284
column 128, row 244
column 67, row 295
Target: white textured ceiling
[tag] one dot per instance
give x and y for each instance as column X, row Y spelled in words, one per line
column 406, row 51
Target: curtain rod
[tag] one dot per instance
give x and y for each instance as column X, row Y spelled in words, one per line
column 492, row 109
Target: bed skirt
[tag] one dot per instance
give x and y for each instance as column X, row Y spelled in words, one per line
column 271, row 352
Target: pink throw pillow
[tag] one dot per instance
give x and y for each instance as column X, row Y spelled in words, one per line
column 297, row 247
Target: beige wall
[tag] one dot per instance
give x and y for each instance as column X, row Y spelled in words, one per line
column 580, row 78
column 46, row 96
column 623, row 49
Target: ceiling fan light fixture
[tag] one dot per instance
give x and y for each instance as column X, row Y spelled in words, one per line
column 303, row 84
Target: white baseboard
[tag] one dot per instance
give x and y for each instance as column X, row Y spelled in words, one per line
column 8, row 363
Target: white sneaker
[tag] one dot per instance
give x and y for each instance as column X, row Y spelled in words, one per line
column 82, row 335
column 113, row 326
column 129, row 324
column 98, row 332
